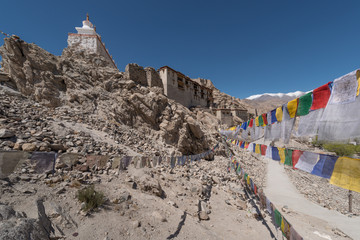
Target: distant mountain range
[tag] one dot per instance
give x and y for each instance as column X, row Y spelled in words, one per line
column 276, row 96
column 267, row 101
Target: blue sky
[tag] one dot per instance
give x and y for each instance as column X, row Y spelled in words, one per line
column 244, row 47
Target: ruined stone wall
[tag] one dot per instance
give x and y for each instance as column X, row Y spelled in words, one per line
column 136, row 73
column 241, row 114
column 153, row 78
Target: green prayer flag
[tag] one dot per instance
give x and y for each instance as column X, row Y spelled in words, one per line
column 277, row 218
column 261, row 120
column 288, row 157
column 305, row 103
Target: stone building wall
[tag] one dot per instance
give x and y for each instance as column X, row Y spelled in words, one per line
column 183, row 89
column 225, row 116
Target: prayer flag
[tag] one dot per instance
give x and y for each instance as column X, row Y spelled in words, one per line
column 282, row 154
column 261, row 120
column 346, row 173
column 325, row 166
column 263, row 149
column 264, row 117
column 295, row 157
column 344, row 89
column 304, row 104
column 286, row 228
column 258, row 149
column 288, row 157
column 292, row 107
column 268, row 152
column 244, row 125
column 251, row 122
column 282, row 226
column 44, row 161
column 307, row 161
column 257, row 121
column 321, row 96
column 273, row 116
column 275, row 154
column 268, row 206
column 277, row 218
column 279, row 114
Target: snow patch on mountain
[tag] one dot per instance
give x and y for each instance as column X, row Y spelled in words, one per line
column 265, row 96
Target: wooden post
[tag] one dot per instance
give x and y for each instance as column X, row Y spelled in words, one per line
column 350, row 201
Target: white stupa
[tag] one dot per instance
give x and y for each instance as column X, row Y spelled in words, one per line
column 87, row 39
column 87, row 28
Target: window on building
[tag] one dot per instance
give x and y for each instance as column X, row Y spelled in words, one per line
column 202, row 94
column 196, row 89
column 180, row 83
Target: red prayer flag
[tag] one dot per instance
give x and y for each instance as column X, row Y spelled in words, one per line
column 263, row 149
column 296, row 154
column 321, row 96
column 264, row 116
column 251, row 122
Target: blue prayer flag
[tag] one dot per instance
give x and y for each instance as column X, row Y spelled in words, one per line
column 273, row 116
column 275, row 153
column 325, row 166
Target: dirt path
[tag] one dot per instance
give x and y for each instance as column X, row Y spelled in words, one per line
column 322, row 222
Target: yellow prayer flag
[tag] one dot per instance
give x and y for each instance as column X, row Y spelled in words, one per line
column 346, row 173
column 279, row 114
column 282, row 155
column 358, row 79
column 232, row 128
column 282, row 225
column 258, row 149
column 248, row 180
column 257, row 121
column 292, row 107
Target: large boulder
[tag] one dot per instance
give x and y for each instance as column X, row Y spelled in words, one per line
column 15, row 225
column 33, row 70
column 5, row 133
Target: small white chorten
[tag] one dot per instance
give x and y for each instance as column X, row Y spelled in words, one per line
column 87, row 28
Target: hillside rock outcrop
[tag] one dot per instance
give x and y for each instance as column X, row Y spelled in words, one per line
column 102, row 97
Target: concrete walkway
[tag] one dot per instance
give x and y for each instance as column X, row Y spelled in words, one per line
column 282, row 192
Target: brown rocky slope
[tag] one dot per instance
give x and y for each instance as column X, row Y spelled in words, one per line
column 83, row 86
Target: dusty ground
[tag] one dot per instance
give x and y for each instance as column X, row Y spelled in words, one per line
column 136, row 213
column 144, row 215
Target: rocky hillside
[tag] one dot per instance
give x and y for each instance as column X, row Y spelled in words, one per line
column 81, row 88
